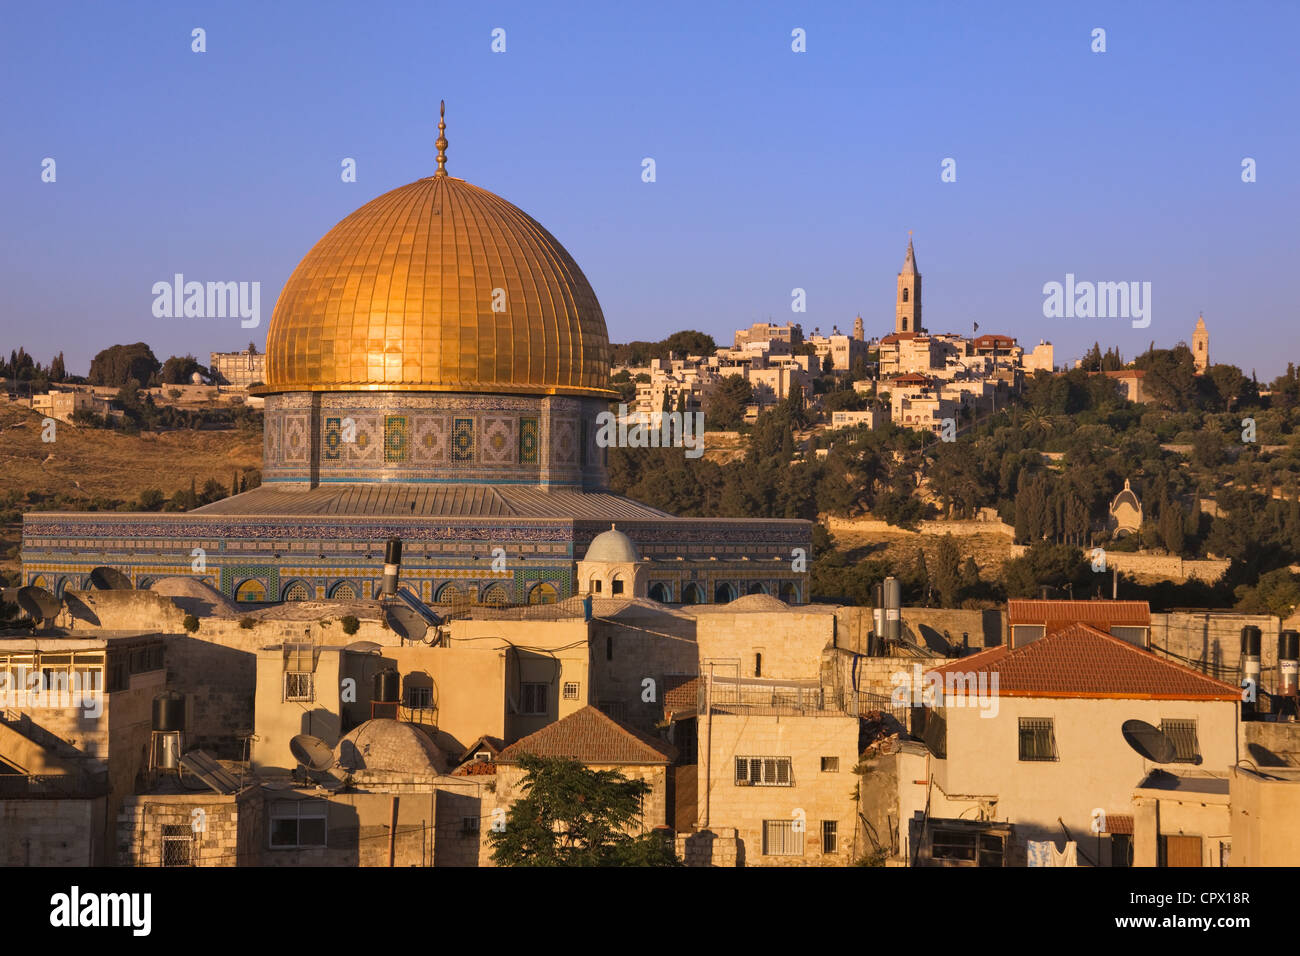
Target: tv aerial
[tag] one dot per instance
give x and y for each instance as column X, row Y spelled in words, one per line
column 1149, row 741
column 41, row 606
column 104, row 578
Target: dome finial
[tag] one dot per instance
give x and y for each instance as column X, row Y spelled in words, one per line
column 441, row 142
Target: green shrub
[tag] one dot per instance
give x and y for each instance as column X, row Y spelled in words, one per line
column 248, row 623
column 191, row 623
column 350, row 624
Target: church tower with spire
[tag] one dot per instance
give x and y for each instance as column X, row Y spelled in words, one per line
column 1201, row 346
column 907, row 310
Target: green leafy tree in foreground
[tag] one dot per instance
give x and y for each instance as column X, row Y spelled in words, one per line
column 572, row 816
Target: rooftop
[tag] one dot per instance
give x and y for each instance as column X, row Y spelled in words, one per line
column 592, row 737
column 1082, row 661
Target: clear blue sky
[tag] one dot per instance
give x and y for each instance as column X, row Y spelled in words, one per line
column 775, row 169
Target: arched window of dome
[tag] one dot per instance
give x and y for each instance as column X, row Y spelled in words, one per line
column 758, row 587
column 251, row 591
column 343, row 591
column 691, row 594
column 661, row 592
column 790, row 592
column 544, row 593
column 724, row 593
column 447, row 594
column 495, row 595
column 595, row 585
column 616, row 584
column 297, row 591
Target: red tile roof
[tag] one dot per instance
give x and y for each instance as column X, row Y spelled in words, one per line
column 894, row 337
column 592, row 738
column 1059, row 614
column 1119, row 823
column 681, row 692
column 911, row 378
column 994, row 341
column 1082, row 661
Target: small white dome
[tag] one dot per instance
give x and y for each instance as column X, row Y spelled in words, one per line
column 612, row 547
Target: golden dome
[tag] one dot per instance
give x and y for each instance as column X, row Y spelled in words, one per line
column 438, row 285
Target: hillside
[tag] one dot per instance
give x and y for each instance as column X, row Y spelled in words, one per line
column 84, row 465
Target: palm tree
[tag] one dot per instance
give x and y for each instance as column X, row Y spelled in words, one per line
column 1036, row 420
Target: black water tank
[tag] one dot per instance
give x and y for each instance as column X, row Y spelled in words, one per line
column 169, row 712
column 388, row 686
column 1251, row 641
column 1288, row 646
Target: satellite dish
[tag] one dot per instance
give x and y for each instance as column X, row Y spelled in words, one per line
column 406, row 623
column 104, row 578
column 39, row 603
column 312, row 752
column 364, row 647
column 1148, row 741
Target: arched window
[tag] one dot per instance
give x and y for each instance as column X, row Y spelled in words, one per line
column 495, row 595
column 297, row 591
column 344, row 592
column 723, row 593
column 660, row 592
column 758, row 587
column 251, row 591
column 616, row 585
column 595, row 586
column 789, row 593
column 758, row 664
column 691, row 594
column 448, row 593
column 543, row 593
column 905, row 293
column 904, row 323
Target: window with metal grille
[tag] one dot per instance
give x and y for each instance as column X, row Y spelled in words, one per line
column 830, row 839
column 532, row 698
column 1037, row 738
column 1183, row 734
column 780, row 838
column 419, row 698
column 298, row 686
column 469, row 825
column 571, row 690
column 177, row 842
column 297, row 823
column 830, row 764
column 763, row 772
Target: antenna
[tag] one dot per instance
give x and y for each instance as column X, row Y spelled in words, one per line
column 312, row 753
column 1149, row 741
column 104, row 578
column 41, row 606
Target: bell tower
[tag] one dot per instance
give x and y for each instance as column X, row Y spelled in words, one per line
column 907, row 308
column 1201, row 346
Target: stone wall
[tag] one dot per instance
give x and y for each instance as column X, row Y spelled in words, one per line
column 52, row 832
column 716, row 846
column 211, row 820
column 1167, row 567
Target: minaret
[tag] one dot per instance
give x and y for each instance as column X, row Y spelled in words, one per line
column 858, row 331
column 1201, row 346
column 907, row 310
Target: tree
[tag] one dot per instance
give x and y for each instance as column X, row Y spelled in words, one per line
column 118, row 364
column 946, row 576
column 179, row 370
column 727, row 404
column 570, row 815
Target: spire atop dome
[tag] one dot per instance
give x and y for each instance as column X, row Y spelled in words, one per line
column 441, row 142
column 909, row 262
